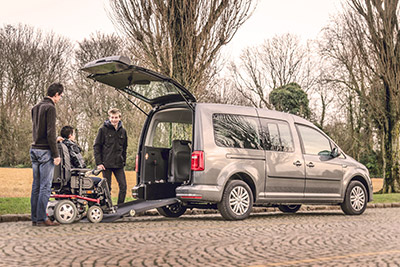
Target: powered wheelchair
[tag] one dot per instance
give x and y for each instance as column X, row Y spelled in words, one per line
column 76, row 194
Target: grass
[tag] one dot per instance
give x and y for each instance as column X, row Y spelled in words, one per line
column 386, row 198
column 21, row 205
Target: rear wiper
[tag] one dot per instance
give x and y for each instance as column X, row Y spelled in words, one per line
column 133, row 103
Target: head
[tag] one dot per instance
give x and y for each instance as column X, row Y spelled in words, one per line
column 114, row 115
column 55, row 91
column 67, row 132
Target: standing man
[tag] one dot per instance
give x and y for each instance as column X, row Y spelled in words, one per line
column 110, row 151
column 44, row 154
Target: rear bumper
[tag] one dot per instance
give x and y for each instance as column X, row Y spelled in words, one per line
column 200, row 193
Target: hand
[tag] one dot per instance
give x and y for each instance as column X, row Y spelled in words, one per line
column 57, row 161
column 101, row 167
column 59, row 139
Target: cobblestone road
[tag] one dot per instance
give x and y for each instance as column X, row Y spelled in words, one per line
column 309, row 238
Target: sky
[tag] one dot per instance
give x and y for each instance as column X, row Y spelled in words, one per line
column 77, row 19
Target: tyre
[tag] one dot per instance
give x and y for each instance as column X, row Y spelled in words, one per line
column 355, row 200
column 289, row 208
column 174, row 210
column 237, row 201
column 95, row 214
column 65, row 212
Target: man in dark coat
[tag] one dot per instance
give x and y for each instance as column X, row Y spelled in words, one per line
column 44, row 154
column 110, row 151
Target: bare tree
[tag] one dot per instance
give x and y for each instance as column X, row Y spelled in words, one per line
column 89, row 101
column 30, row 61
column 369, row 56
column 278, row 62
column 181, row 39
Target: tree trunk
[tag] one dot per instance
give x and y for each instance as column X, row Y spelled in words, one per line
column 390, row 154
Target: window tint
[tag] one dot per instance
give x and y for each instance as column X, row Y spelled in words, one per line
column 314, row 142
column 236, row 131
column 168, row 131
column 276, row 135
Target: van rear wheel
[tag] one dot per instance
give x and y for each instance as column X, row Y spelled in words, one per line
column 355, row 200
column 289, row 208
column 237, row 201
column 174, row 210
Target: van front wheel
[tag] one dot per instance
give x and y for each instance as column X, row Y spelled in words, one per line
column 355, row 200
column 237, row 201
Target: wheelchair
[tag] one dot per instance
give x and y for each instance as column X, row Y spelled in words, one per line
column 76, row 194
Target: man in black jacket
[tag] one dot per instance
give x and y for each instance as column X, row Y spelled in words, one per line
column 110, row 151
column 44, row 154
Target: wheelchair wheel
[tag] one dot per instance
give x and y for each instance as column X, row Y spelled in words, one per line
column 95, row 214
column 65, row 212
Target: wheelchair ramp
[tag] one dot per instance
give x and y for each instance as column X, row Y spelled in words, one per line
column 138, row 206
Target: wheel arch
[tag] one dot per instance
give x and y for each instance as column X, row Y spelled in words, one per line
column 245, row 178
column 363, row 181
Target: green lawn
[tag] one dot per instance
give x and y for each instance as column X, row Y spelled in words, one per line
column 386, row 198
column 21, row 205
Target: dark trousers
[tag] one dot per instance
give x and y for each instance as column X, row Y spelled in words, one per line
column 121, row 179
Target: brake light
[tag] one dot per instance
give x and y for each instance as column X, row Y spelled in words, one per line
column 197, row 161
column 137, row 163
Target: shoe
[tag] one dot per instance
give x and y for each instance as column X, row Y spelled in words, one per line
column 47, row 222
column 34, row 223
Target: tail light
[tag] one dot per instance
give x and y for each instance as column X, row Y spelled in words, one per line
column 197, row 161
column 137, row 163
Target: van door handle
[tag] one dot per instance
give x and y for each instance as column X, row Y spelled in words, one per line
column 310, row 165
column 297, row 163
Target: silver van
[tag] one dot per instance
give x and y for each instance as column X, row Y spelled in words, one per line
column 230, row 158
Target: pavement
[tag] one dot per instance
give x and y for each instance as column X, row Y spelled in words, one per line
column 317, row 238
column 153, row 212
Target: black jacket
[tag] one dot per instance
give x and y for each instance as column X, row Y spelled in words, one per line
column 110, row 146
column 75, row 154
column 44, row 126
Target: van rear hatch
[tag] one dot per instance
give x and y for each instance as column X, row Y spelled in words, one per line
column 147, row 85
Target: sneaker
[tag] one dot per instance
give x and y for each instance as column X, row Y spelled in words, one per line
column 47, row 222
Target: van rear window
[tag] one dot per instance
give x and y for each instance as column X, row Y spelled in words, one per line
column 236, row 131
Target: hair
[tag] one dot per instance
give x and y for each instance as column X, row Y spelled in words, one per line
column 114, row 111
column 54, row 89
column 66, row 131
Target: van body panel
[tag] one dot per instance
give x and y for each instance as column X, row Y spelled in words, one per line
column 324, row 176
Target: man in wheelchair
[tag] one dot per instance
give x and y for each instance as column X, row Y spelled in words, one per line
column 76, row 193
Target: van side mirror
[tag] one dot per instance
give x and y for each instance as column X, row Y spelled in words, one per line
column 335, row 152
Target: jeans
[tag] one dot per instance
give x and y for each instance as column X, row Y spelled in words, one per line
column 43, row 172
column 121, row 179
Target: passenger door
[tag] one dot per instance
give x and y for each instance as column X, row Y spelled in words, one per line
column 324, row 174
column 285, row 173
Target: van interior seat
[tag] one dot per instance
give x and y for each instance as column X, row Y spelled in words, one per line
column 179, row 161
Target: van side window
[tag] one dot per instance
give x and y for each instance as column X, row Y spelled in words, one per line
column 314, row 142
column 276, row 135
column 168, row 131
column 236, row 131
